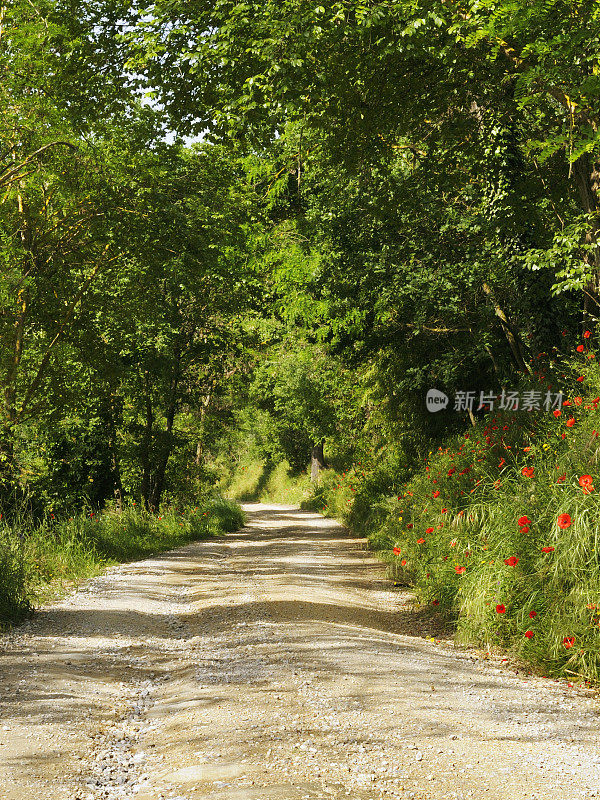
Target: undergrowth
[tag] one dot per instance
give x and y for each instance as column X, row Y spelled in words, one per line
column 39, row 560
column 499, row 530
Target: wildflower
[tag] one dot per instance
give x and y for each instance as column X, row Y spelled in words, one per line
column 579, row 380
column 563, row 521
column 444, row 510
column 557, row 412
column 512, row 561
column 524, row 529
column 547, row 549
column 451, row 471
column 397, row 551
column 429, row 530
column 502, row 463
column 578, row 401
column 561, row 478
column 527, row 471
column 580, row 348
column 569, row 641
column 500, row 609
column 570, row 422
column 529, row 634
column 587, row 334
column 410, row 526
column 420, row 541
column 403, row 562
column 524, row 520
column 532, row 614
column 436, row 494
column 435, row 603
column 459, row 570
column 587, row 483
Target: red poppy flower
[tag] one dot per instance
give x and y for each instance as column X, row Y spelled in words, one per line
column 563, row 521
column 500, row 609
column 410, row 525
column 444, row 510
column 451, row 471
column 524, row 520
column 579, row 380
column 435, row 603
column 527, row 471
column 397, row 551
column 557, row 413
column 561, row 478
column 547, row 549
column 403, row 562
column 587, row 334
column 570, row 422
column 529, row 634
column 580, row 348
column 532, row 614
column 511, row 562
column 578, row 401
column 420, row 541
column 436, row 494
column 502, row 463
column 429, row 530
column 459, row 570
column 524, row 529
column 569, row 641
column 586, row 480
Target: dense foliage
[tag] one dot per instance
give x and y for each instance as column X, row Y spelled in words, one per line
column 383, row 197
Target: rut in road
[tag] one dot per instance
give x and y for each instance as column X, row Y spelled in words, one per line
column 273, row 664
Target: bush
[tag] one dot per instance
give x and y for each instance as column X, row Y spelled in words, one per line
column 14, row 602
column 500, row 529
column 38, row 560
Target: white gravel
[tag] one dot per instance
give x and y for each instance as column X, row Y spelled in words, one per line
column 274, row 664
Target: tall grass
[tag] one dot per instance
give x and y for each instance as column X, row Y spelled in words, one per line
column 258, row 480
column 456, row 530
column 39, row 560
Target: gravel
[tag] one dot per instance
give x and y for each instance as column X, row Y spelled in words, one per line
column 276, row 663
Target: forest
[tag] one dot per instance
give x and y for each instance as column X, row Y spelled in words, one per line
column 241, row 242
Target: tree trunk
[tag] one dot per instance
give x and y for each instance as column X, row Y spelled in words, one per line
column 114, row 457
column 587, row 179
column 158, row 482
column 145, row 443
column 317, row 461
column 9, row 410
column 509, row 330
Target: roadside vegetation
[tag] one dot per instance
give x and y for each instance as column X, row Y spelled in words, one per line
column 40, row 560
column 247, row 284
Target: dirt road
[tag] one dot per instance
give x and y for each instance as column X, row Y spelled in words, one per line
column 273, row 664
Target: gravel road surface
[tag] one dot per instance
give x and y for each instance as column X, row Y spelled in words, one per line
column 275, row 663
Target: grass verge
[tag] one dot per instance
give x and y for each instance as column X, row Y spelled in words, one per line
column 39, row 561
